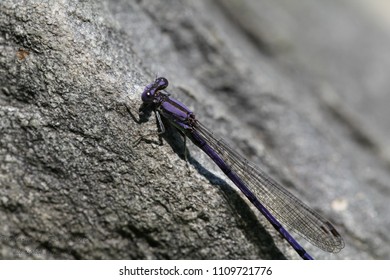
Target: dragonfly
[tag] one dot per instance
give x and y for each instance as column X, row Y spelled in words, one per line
column 281, row 208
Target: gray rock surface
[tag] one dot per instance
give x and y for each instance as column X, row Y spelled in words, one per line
column 301, row 88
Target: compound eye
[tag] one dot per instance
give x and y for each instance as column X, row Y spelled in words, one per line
column 147, row 96
column 161, row 83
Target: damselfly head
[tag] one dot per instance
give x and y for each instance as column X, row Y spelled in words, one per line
column 151, row 91
column 161, row 83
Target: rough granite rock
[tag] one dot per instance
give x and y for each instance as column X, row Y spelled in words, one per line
column 301, row 88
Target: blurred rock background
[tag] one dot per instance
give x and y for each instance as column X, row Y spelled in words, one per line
column 301, row 88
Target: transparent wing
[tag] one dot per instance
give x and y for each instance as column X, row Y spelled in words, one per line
column 286, row 208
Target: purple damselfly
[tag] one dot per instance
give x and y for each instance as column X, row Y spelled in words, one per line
column 280, row 207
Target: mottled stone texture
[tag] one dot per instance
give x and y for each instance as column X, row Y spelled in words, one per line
column 301, row 88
